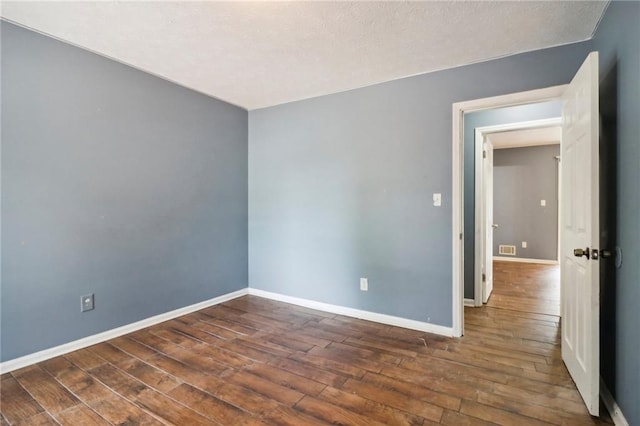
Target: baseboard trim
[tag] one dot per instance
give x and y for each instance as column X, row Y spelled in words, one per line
column 24, row 361
column 356, row 313
column 525, row 260
column 470, row 303
column 612, row 406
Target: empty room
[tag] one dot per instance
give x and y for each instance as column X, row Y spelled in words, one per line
column 307, row 213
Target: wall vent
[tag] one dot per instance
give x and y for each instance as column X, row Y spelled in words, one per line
column 508, row 250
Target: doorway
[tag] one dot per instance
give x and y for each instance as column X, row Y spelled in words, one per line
column 580, row 238
column 517, row 210
column 463, row 234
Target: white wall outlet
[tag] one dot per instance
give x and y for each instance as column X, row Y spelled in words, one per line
column 364, row 284
column 543, row 203
column 524, row 244
column 86, row 303
column 437, row 199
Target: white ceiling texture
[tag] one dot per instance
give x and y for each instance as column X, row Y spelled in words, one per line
column 259, row 54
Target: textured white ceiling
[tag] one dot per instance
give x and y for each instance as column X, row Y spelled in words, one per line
column 258, row 54
column 528, row 137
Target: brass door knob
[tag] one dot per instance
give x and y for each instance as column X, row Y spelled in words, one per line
column 582, row 252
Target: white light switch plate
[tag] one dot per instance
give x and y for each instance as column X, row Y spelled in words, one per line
column 437, row 199
column 543, row 203
column 364, row 284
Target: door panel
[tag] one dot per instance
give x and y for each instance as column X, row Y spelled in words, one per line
column 580, row 222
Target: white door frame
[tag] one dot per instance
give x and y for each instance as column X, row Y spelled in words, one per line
column 480, row 134
column 459, row 108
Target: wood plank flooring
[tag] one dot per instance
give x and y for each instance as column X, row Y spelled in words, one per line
column 252, row 361
column 526, row 287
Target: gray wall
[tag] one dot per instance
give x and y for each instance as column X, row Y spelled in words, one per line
column 340, row 186
column 521, row 178
column 492, row 117
column 116, row 183
column 617, row 40
column 122, row 184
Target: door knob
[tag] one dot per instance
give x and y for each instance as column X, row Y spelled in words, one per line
column 603, row 253
column 594, row 254
column 494, row 225
column 581, row 252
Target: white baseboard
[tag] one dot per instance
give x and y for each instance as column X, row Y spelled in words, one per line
column 356, row 313
column 612, row 406
column 469, row 302
column 525, row 260
column 24, row 361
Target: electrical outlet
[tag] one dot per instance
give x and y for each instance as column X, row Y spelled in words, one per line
column 364, row 284
column 86, row 302
column 524, row 244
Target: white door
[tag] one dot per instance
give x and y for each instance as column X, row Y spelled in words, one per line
column 579, row 239
column 487, row 197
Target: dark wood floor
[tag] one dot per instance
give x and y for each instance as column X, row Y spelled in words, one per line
column 254, row 361
column 526, row 287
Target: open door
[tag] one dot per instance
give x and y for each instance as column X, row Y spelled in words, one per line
column 489, row 226
column 579, row 235
column 484, row 227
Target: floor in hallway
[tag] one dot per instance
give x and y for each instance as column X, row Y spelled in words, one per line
column 526, row 287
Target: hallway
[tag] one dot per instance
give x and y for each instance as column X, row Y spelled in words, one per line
column 526, row 287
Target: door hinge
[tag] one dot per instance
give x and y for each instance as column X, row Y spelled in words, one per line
column 484, row 278
column 484, row 154
column 461, row 235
